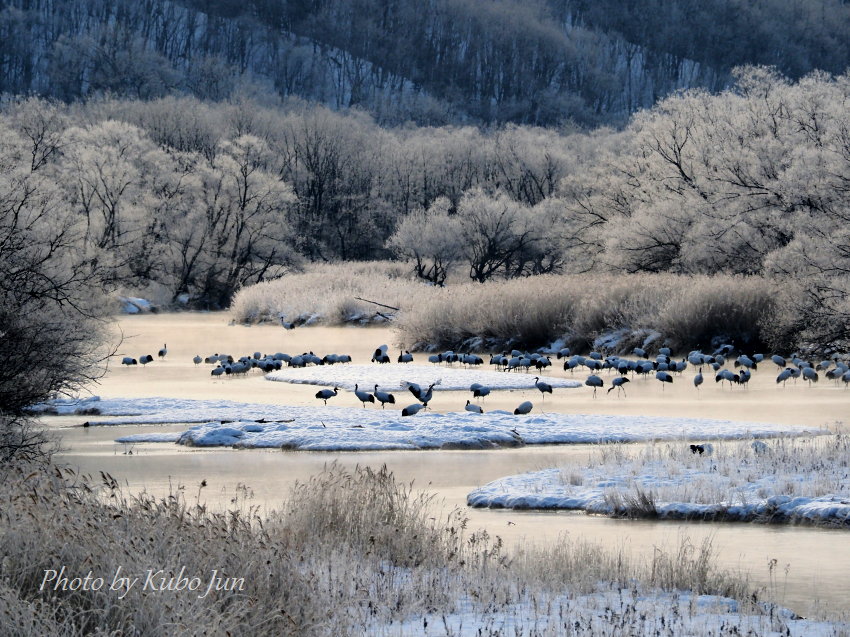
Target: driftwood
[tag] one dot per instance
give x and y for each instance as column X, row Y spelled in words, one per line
column 376, row 303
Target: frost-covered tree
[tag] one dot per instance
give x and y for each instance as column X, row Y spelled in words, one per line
column 431, row 239
column 500, row 235
column 49, row 296
column 241, row 233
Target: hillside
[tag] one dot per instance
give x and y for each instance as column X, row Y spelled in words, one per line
column 435, row 62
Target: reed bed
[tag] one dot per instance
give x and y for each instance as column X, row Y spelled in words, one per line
column 328, row 293
column 349, row 553
column 683, row 312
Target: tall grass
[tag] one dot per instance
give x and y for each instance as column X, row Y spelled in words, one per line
column 349, row 552
column 685, row 311
column 327, row 293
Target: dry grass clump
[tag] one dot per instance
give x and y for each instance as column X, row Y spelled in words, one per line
column 326, row 293
column 703, row 311
column 373, row 513
column 351, row 552
column 687, row 311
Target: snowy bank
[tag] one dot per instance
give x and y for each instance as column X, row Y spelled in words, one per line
column 327, row 428
column 769, row 481
column 613, row 612
column 390, row 377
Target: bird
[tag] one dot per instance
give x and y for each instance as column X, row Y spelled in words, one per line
column 324, row 394
column 363, row 396
column 784, row 375
column 384, row 397
column 664, row 377
column 380, row 355
column 480, row 391
column 617, row 384
column 425, row 397
column 810, row 375
column 473, row 408
column 594, row 381
column 698, row 379
column 161, row 353
column 410, row 410
column 543, row 387
column 127, row 360
column 197, row 360
column 405, row 357
column 217, row 371
column 780, row 362
column 524, row 408
column 147, row 358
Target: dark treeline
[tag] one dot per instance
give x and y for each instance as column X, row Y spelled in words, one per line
column 433, row 62
column 793, row 36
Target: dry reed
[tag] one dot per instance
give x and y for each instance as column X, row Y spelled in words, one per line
column 350, row 552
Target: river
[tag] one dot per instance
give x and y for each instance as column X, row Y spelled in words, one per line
column 817, row 560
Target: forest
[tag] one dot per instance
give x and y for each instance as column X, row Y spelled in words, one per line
column 437, row 62
column 192, row 200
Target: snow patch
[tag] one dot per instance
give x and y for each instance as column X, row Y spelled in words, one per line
column 327, row 428
column 392, row 377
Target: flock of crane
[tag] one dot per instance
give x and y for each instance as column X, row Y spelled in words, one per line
column 662, row 366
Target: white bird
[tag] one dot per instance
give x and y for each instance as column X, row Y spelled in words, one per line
column 197, row 360
column 127, row 360
column 380, row 355
column 784, row 375
column 405, row 357
column 363, row 396
column 410, row 410
column 698, row 379
column 384, row 397
column 473, row 408
column 161, row 353
column 324, row 394
column 543, row 387
column 524, row 408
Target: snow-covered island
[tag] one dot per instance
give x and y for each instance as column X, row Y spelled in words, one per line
column 393, row 377
column 791, row 479
column 332, row 428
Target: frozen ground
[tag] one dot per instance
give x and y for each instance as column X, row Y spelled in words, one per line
column 800, row 480
column 619, row 612
column 327, row 428
column 389, row 377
